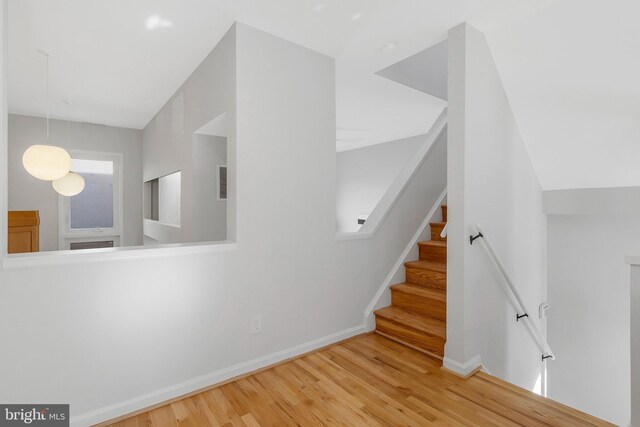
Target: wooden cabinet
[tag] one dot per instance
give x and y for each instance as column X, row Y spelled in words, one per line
column 24, row 231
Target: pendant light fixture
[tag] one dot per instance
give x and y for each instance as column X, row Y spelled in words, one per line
column 72, row 183
column 43, row 161
column 69, row 185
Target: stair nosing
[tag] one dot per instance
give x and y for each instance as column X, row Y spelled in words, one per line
column 439, row 243
column 432, row 330
column 436, row 294
column 434, row 266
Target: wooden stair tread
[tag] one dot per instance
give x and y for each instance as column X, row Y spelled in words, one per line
column 427, row 265
column 415, row 321
column 417, row 316
column 421, row 291
column 439, row 243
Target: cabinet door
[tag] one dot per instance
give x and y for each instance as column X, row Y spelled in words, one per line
column 23, row 239
column 24, row 233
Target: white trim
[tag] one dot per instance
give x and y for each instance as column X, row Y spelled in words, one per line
column 382, row 209
column 463, row 369
column 144, row 401
column 42, row 259
column 403, row 257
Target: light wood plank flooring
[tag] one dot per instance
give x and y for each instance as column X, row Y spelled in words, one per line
column 366, row 381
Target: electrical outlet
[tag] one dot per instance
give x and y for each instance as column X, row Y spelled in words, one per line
column 256, row 324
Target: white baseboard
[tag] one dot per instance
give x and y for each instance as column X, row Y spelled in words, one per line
column 464, row 370
column 137, row 403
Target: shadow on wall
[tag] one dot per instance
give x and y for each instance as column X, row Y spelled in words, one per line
column 364, row 175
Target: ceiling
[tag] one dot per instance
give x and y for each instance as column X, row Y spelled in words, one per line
column 426, row 71
column 117, row 72
column 572, row 76
column 371, row 109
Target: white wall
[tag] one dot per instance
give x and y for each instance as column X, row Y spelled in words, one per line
column 29, row 193
column 169, row 189
column 209, row 215
column 589, row 324
column 364, row 175
column 593, row 201
column 590, row 230
column 491, row 181
column 168, row 140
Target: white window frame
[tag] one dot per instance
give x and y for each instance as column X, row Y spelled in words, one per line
column 66, row 235
column 218, row 198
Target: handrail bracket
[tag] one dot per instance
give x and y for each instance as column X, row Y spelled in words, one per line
column 472, row 238
column 520, row 316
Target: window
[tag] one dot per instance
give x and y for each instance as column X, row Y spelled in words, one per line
column 93, row 208
column 93, row 218
column 222, row 183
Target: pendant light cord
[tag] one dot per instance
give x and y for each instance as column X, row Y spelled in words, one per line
column 47, row 93
column 68, row 118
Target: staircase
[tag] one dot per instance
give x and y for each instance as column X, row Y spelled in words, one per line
column 417, row 315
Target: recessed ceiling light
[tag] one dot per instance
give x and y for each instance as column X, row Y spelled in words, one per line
column 319, row 7
column 356, row 16
column 156, row 21
column 389, row 47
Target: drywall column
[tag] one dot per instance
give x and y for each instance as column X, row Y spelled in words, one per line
column 635, row 340
column 491, row 181
column 455, row 349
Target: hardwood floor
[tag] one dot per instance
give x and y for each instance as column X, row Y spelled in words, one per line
column 366, row 381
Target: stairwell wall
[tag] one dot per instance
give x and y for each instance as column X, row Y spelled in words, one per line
column 365, row 174
column 491, row 182
column 589, row 324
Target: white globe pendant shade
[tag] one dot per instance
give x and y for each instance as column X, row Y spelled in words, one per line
column 69, row 185
column 46, row 162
